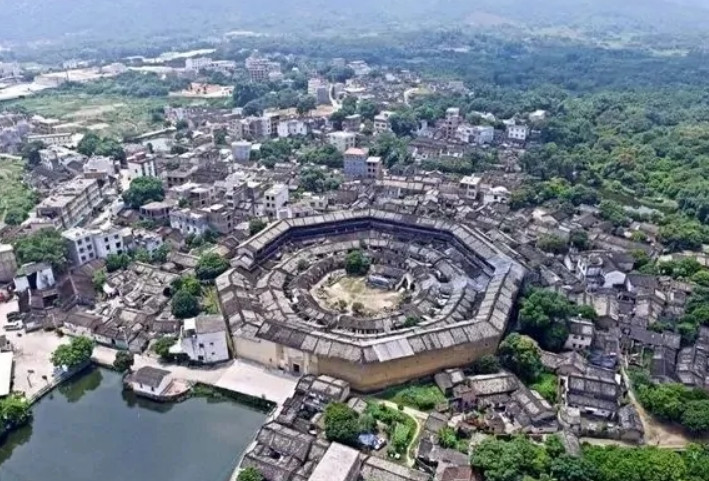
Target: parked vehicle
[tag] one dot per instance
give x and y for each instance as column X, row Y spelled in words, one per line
column 14, row 326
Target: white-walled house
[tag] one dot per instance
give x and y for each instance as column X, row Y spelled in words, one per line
column 35, row 276
column 204, row 339
column 150, row 381
column 580, row 334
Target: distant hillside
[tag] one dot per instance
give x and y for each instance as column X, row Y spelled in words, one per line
column 28, row 20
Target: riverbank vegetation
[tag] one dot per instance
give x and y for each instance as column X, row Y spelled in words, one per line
column 520, row 458
column 73, row 355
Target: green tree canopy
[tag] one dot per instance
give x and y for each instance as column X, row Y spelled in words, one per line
column 256, row 225
column 357, row 263
column 210, row 265
column 185, row 305
column 46, row 245
column 341, row 423
column 520, row 355
column 74, row 354
column 249, row 474
column 144, row 190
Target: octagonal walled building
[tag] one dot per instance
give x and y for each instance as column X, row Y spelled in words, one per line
column 458, row 287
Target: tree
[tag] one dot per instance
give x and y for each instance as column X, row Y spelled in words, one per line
column 187, row 283
column 412, row 321
column 552, row 243
column 306, row 104
column 249, row 474
column 638, row 464
column 159, row 255
column 124, row 361
column 510, row 460
column 30, row 152
column 115, row 262
column 99, row 279
column 696, row 416
column 15, row 411
column 256, row 225
column 143, row 190
column 367, row 423
column 93, row 144
column 368, row 109
column 487, row 364
column 356, row 263
column 403, row 123
column 447, row 438
column 219, row 137
column 184, row 305
column 341, row 423
column 357, row 308
column 46, row 245
column 74, row 354
column 210, row 265
column 162, row 346
column 520, row 355
column 572, row 468
column 579, row 239
column 544, row 315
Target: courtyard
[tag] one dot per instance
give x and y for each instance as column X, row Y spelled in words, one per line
column 342, row 293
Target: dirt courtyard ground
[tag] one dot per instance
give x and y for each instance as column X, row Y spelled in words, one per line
column 338, row 289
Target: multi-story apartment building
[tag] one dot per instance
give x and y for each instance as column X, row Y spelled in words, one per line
column 358, row 166
column 86, row 245
column 275, row 198
column 8, row 263
column 141, row 165
column 189, row 221
column 381, row 122
column 71, row 203
column 342, row 141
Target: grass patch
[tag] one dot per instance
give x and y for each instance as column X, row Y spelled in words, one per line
column 400, row 427
column 547, row 385
column 115, row 115
column 422, row 397
column 17, row 197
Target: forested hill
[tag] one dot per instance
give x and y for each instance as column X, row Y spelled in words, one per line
column 27, row 20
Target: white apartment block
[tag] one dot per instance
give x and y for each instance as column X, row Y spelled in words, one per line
column 141, row 165
column 292, row 128
column 483, row 134
column 203, row 339
column 198, row 63
column 86, row 245
column 188, row 222
column 517, row 133
column 275, row 198
column 342, row 141
column 381, row 122
column 470, row 186
column 241, row 151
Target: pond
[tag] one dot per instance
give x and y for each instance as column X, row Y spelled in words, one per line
column 89, row 429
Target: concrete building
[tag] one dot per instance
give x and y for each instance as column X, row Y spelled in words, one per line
column 8, row 263
column 258, row 69
column 517, row 133
column 291, row 128
column 150, row 381
column 204, row 339
column 470, row 186
column 381, row 122
column 86, row 245
column 342, row 141
column 314, row 84
column 144, row 239
column 189, row 221
column 51, row 139
column 36, row 276
column 158, row 212
column 71, row 203
column 141, row 165
column 358, row 166
column 275, row 198
column 482, row 134
column 340, row 463
column 580, row 334
column 241, row 151
column 352, row 123
column 198, row 63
